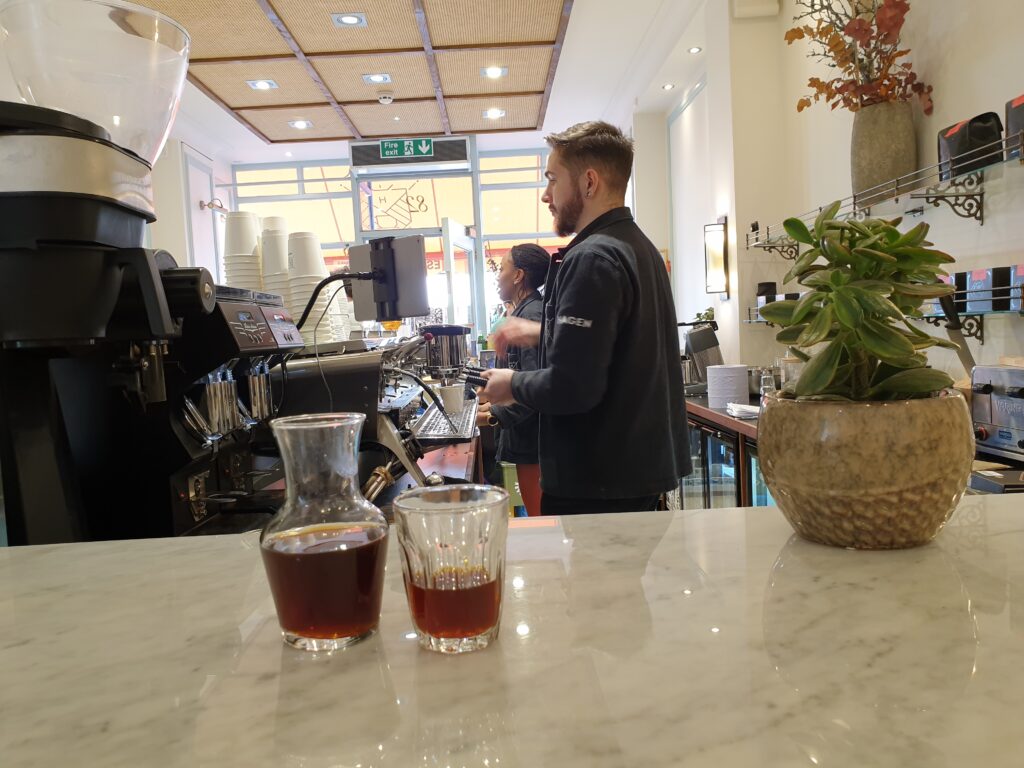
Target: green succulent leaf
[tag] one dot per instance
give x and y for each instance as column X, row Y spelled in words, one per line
column 848, row 311
column 871, row 253
column 884, row 341
column 799, row 354
column 827, row 214
column 791, row 334
column 779, row 312
column 912, row 237
column 834, row 251
column 875, row 303
column 819, row 370
column 926, row 255
column 822, row 277
column 875, row 286
column 805, row 305
column 797, row 230
column 915, row 381
column 930, row 291
column 819, row 328
column 802, row 264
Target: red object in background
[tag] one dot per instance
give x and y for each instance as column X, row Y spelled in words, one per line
column 529, row 487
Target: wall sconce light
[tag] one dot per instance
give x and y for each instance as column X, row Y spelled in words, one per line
column 716, row 256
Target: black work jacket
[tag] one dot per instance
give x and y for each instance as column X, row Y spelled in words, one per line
column 517, row 438
column 609, row 389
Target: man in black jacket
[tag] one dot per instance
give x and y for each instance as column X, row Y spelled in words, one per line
column 609, row 389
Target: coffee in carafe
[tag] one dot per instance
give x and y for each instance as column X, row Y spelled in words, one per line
column 325, row 551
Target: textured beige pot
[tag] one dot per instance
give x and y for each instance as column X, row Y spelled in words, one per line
column 883, row 147
column 883, row 475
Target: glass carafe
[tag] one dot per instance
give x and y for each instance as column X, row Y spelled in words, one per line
column 324, row 552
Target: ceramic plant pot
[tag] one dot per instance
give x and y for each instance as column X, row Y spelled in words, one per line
column 867, row 475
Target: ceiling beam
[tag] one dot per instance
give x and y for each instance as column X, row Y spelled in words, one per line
column 556, row 51
column 270, row 107
column 424, row 134
column 282, row 28
column 428, row 48
column 217, row 100
column 374, row 52
column 238, row 59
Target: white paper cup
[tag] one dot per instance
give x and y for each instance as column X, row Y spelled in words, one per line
column 454, row 397
column 274, row 224
column 241, row 233
column 304, row 254
column 275, row 252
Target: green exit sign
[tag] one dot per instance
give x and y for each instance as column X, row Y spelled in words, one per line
column 406, row 148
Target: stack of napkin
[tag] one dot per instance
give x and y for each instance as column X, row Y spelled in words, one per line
column 742, row 411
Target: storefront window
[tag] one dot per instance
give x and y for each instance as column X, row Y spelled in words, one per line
column 415, row 203
column 255, row 182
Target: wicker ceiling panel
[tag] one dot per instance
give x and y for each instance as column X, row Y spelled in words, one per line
column 410, row 76
column 228, row 81
column 472, row 22
column 466, row 115
column 389, row 24
column 223, row 29
column 273, row 123
column 460, row 70
column 417, row 118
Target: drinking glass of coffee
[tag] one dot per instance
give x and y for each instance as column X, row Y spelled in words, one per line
column 324, row 552
column 452, row 540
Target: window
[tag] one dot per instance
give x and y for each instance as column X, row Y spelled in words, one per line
column 257, row 182
column 415, row 203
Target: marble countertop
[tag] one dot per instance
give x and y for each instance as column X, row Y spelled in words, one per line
column 703, row 638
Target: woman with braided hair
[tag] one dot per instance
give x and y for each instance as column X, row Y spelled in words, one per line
column 523, row 271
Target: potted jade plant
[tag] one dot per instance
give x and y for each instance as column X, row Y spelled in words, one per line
column 869, row 447
column 859, row 41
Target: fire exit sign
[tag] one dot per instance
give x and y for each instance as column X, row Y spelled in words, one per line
column 407, row 148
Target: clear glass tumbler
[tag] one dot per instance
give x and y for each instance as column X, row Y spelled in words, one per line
column 452, row 540
column 325, row 551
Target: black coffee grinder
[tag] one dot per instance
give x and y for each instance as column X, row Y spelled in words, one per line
column 85, row 310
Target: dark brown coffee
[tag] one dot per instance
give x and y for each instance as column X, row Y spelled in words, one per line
column 460, row 603
column 327, row 580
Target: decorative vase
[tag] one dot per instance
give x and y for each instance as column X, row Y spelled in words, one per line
column 883, row 148
column 867, row 475
column 325, row 550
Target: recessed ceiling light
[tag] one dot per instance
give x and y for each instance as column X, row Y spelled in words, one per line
column 377, row 78
column 494, row 113
column 668, row 86
column 300, row 125
column 397, row 117
column 349, row 19
column 261, row 85
column 494, row 72
column 695, row 49
column 287, row 154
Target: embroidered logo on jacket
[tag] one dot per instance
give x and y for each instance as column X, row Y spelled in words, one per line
column 579, row 322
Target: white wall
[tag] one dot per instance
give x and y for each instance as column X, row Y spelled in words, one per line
column 776, row 162
column 693, row 204
column 650, row 179
column 170, row 230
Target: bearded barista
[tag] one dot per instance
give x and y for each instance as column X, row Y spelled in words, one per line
column 609, row 389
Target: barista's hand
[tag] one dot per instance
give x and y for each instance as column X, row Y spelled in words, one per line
column 483, row 413
column 499, row 386
column 516, row 332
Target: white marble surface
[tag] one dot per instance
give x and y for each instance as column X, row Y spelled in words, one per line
column 709, row 638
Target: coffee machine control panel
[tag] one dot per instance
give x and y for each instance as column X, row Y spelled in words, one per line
column 248, row 326
column 282, row 327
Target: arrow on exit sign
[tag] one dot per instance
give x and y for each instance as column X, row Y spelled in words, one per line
column 406, row 148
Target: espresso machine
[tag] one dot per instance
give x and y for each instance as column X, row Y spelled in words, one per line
column 997, row 409
column 104, row 342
